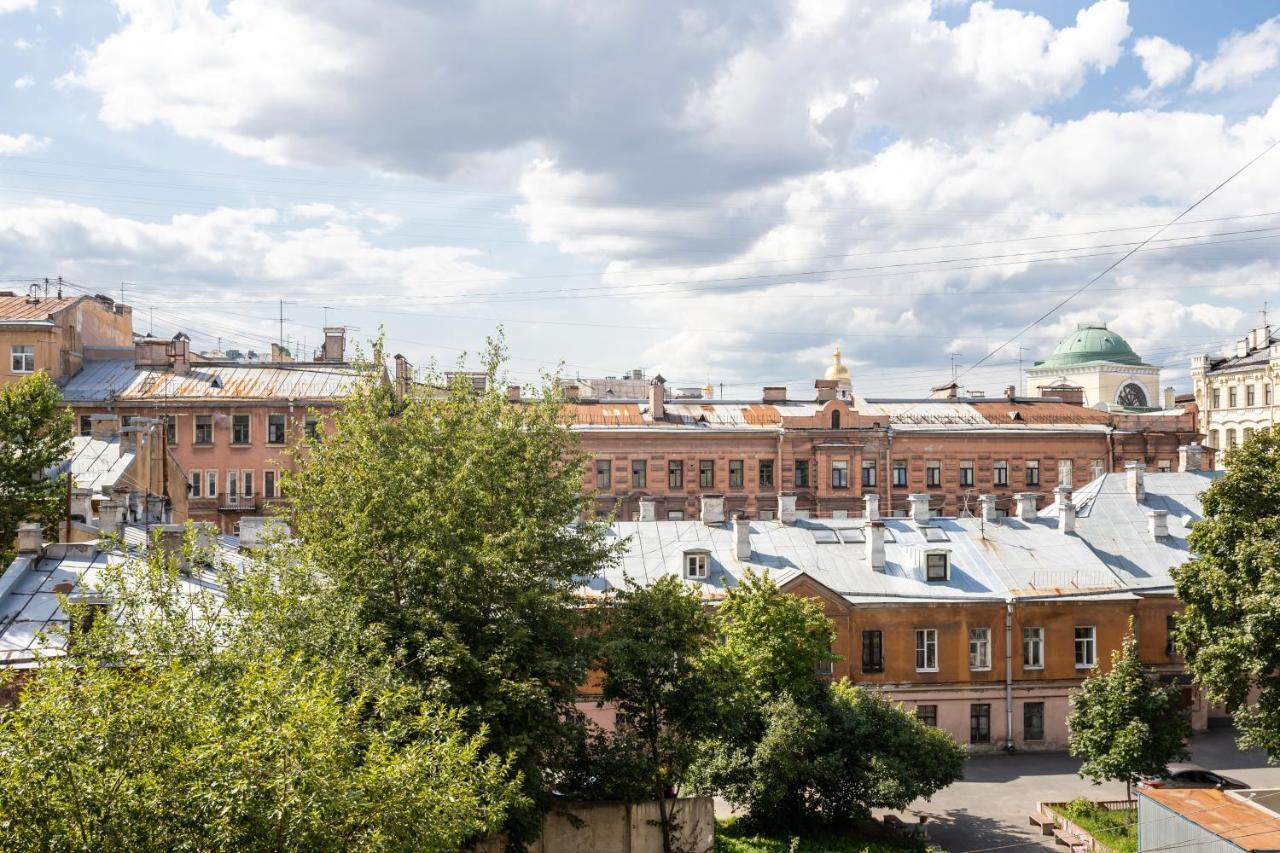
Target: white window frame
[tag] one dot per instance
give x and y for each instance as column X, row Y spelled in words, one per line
column 272, row 476
column 1001, row 466
column 1087, row 643
column 926, row 650
column 933, row 473
column 697, row 565
column 211, row 483
column 248, row 430
column 284, row 428
column 22, row 358
column 675, row 515
column 841, row 465
column 979, row 649
column 195, row 483
column 928, row 566
column 233, row 487
column 195, row 430
column 246, row 482
column 966, row 472
column 1033, row 640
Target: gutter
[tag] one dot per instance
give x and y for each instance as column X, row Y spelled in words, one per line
column 1008, row 675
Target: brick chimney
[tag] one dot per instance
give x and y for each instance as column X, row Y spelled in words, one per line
column 741, row 537
column 773, row 394
column 1189, row 457
column 919, row 507
column 180, row 354
column 30, row 538
column 1134, row 474
column 335, row 344
column 828, row 389
column 648, row 509
column 871, row 507
column 404, row 376
column 514, row 394
column 1024, row 504
column 1158, row 523
column 712, row 509
column 172, row 538
column 658, row 398
column 787, row 507
column 874, row 533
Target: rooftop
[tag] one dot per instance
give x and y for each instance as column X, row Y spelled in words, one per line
column 1091, row 343
column 24, row 308
column 1246, row 825
column 99, row 462
column 121, row 379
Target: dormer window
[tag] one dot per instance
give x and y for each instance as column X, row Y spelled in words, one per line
column 937, row 566
column 696, row 564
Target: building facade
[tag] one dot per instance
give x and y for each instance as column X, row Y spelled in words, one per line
column 58, row 335
column 1100, row 366
column 1236, row 393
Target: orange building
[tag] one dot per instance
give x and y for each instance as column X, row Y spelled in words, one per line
column 59, row 334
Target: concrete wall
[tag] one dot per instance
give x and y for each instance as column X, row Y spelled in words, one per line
column 621, row 828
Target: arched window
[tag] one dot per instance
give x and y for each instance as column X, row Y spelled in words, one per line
column 1231, row 439
column 835, row 420
column 1213, row 439
column 1248, row 433
column 1131, row 394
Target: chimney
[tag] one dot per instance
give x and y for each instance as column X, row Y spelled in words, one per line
column 180, row 354
column 404, row 376
column 1024, row 504
column 987, row 507
column 1242, row 347
column 1067, row 517
column 827, row 389
column 787, row 507
column 648, row 509
column 129, row 438
column 871, row 507
column 1158, row 523
column 774, row 394
column 1170, row 397
column 30, row 538
column 712, row 509
column 874, row 533
column 658, row 398
column 172, row 537
column 1010, row 392
column 919, row 507
column 110, row 516
column 280, row 355
column 514, row 394
column 741, row 537
column 82, row 503
column 1133, row 473
column 572, row 393
column 1061, row 494
column 335, row 343
column 104, row 426
column 1189, row 457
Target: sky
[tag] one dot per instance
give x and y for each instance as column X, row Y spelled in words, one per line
column 720, row 192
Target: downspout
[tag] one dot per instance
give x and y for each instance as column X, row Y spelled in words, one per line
column 888, row 472
column 1008, row 675
column 1111, row 450
column 777, row 475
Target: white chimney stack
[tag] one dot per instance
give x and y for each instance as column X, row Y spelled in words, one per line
column 1189, row 458
column 741, row 538
column 30, row 538
column 987, row 508
column 919, row 507
column 874, row 534
column 787, row 507
column 1158, row 523
column 1134, row 473
column 712, row 509
column 648, row 509
column 1024, row 504
column 1061, row 494
column 1067, row 517
column 111, row 516
column 871, row 504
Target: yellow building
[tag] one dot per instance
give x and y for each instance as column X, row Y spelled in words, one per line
column 58, row 334
column 1096, row 360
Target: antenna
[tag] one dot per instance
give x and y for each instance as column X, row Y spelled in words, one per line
column 122, row 292
column 59, row 287
column 1265, row 324
column 282, row 319
column 954, row 366
column 1020, row 389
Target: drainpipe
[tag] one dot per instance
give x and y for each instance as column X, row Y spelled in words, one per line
column 888, row 472
column 1111, row 450
column 1008, row 675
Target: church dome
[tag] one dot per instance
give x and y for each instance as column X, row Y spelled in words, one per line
column 837, row 370
column 1089, row 343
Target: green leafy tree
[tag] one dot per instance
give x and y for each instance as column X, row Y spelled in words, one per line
column 35, row 436
column 174, row 725
column 1124, row 724
column 1228, row 633
column 446, row 518
column 657, row 674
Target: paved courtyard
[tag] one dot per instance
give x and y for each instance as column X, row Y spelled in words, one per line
column 990, row 807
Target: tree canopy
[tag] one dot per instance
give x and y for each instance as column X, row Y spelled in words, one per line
column 35, row 436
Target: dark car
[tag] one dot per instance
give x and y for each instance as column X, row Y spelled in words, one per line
column 1191, row 776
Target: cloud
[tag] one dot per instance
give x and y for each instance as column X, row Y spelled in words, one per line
column 1240, row 58
column 22, row 44
column 16, row 5
column 1163, row 62
column 23, row 143
column 26, row 81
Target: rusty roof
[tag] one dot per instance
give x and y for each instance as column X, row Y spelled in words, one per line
column 1247, row 826
column 1036, row 412
column 121, row 380
column 18, row 308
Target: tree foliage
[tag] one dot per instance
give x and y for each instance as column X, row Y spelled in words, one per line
column 1229, row 633
column 35, row 436
column 445, row 518
column 1124, row 724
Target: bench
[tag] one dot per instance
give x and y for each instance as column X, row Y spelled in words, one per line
column 1042, row 820
column 1071, row 842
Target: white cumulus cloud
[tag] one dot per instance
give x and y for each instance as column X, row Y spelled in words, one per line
column 23, row 143
column 1163, row 62
column 26, row 81
column 16, row 5
column 1240, row 58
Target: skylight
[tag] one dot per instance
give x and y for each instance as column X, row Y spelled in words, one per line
column 935, row 534
column 825, row 536
column 852, row 536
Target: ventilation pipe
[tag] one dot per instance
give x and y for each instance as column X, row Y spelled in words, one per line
column 648, row 509
column 1158, row 523
column 919, row 507
column 1189, row 457
column 741, row 538
column 874, row 533
column 1134, row 473
column 1067, row 517
column 987, row 509
column 1024, row 504
column 712, row 509
column 787, row 507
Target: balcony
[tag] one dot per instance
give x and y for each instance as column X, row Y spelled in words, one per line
column 237, row 503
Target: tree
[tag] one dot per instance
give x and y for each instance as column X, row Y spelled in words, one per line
column 35, row 436
column 174, row 725
column 1228, row 633
column 656, row 672
column 1124, row 723
column 446, row 518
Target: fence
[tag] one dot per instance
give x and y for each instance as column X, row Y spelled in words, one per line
column 620, row 828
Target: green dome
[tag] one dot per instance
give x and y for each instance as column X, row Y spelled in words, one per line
column 1091, row 343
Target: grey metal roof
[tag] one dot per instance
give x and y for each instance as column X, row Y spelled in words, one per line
column 99, row 462
column 121, row 379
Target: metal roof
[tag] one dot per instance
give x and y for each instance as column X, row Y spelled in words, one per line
column 44, row 308
column 120, row 379
column 99, row 462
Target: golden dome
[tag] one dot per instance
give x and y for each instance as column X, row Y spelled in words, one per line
column 837, row 370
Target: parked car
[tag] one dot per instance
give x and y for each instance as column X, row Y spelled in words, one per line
column 1191, row 776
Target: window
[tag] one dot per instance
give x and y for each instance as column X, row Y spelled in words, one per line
column 824, row 667
column 211, row 484
column 1033, row 721
column 1065, row 472
column 839, row 474
column 1266, row 393
column 1231, row 397
column 203, row 430
column 193, row 487
column 707, row 473
column 639, row 473
column 980, row 723
column 602, row 474
column 873, row 651
column 695, row 564
column 275, row 429
column 1170, row 631
column 766, row 473
column 926, row 650
column 935, row 567
column 1033, row 472
column 979, row 648
column 899, row 472
column 22, row 358
column 1033, row 648
column 1231, row 439
column 310, row 426
column 1216, row 396
column 1213, row 439
column 1246, row 434
column 835, row 420
column 1095, row 469
column 802, row 473
column 1164, row 466
column 966, row 473
column 126, row 420
column 927, row 714
column 735, row 473
column 239, row 429
column 675, row 515
column 269, row 484
column 246, row 482
column 171, row 429
column 868, row 472
column 933, row 474
column 1000, row 472
column 233, row 488
column 86, row 425
column 1086, row 646
column 1248, row 395
column 675, row 473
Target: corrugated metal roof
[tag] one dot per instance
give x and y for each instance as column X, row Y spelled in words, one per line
column 1246, row 825
column 120, row 379
column 98, row 462
column 22, row 308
